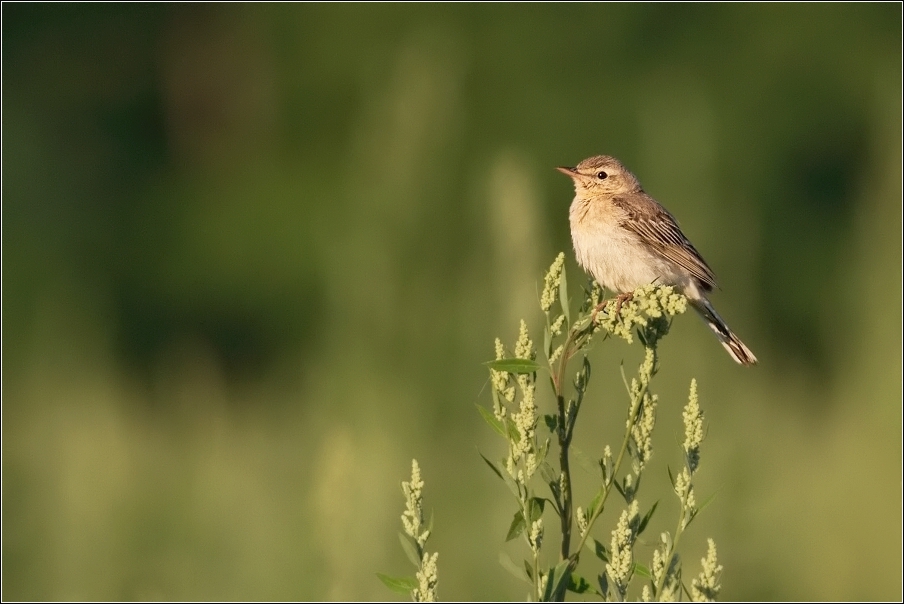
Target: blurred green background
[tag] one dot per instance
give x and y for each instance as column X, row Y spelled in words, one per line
column 253, row 258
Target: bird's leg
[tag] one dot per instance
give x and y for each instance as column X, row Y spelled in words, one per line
column 596, row 310
column 619, row 300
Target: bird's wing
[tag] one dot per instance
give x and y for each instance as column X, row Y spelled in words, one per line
column 660, row 230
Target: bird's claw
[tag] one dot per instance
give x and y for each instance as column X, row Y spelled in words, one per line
column 619, row 300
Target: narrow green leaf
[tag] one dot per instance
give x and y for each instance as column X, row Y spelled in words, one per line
column 490, row 419
column 706, row 502
column 690, row 518
column 536, row 508
column 582, row 381
column 646, row 519
column 513, row 486
column 490, row 463
column 624, row 379
column 514, row 365
column 620, row 490
column 687, row 592
column 547, row 339
column 580, row 585
column 551, row 421
column 542, row 451
column 496, row 401
column 558, row 580
column 402, row 585
column 563, row 297
column 556, row 497
column 584, row 461
column 635, row 486
column 513, row 568
column 604, row 584
column 597, row 548
column 548, row 473
column 643, row 571
column 547, row 592
column 582, row 324
column 528, row 569
column 517, row 526
column 596, row 501
column 512, row 432
column 411, row 548
column 668, row 541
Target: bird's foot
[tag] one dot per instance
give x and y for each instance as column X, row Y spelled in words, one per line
column 619, row 300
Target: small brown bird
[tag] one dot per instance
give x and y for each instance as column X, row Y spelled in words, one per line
column 625, row 239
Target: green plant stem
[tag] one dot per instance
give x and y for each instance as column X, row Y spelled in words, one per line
column 536, row 576
column 679, row 530
column 607, row 488
column 568, row 350
column 565, row 477
column 564, row 432
column 564, row 438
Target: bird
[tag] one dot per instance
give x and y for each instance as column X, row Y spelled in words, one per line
column 625, row 239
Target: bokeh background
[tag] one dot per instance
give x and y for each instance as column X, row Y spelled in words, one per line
column 254, row 257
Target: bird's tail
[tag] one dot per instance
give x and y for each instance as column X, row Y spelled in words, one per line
column 732, row 343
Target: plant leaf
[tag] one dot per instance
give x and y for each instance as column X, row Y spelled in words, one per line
column 547, row 339
column 563, row 297
column 514, row 365
column 517, row 526
column 598, row 548
column 537, row 505
column 596, row 501
column 496, row 401
column 490, row 463
column 548, row 473
column 646, row 519
column 690, row 518
column 604, row 584
column 585, row 367
column 624, row 380
column 528, row 569
column 642, row 570
column 582, row 324
column 542, row 451
column 402, row 585
column 558, row 579
column 584, row 462
column 411, row 548
column 512, row 432
column 513, row 486
column 706, row 502
column 580, row 585
column 604, row 469
column 513, row 568
column 490, row 419
column 618, row 488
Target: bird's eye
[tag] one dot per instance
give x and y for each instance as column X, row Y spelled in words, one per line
column 601, row 175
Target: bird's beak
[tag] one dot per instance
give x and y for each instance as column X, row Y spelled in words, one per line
column 567, row 171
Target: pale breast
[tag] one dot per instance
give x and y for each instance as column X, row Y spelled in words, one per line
column 616, row 257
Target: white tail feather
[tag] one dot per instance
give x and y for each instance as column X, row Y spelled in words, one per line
column 732, row 343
